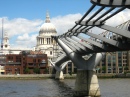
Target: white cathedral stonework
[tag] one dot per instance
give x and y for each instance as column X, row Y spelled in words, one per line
column 5, row 47
column 44, row 41
column 6, row 44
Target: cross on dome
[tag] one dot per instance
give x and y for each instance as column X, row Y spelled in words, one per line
column 47, row 18
column 5, row 34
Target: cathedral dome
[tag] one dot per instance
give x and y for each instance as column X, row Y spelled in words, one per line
column 47, row 26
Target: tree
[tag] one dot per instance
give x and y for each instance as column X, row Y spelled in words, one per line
column 126, row 68
column 27, row 70
column 104, row 69
column 36, row 70
column 46, row 70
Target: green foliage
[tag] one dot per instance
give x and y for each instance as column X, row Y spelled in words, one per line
column 70, row 73
column 126, row 68
column 27, row 70
column 126, row 72
column 104, row 68
column 36, row 70
column 46, row 70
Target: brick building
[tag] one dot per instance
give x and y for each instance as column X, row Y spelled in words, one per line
column 35, row 62
column 2, row 63
column 26, row 62
column 13, row 64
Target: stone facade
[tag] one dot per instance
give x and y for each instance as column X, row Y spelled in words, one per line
column 44, row 41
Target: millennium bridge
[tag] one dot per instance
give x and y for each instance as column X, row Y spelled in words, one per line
column 79, row 41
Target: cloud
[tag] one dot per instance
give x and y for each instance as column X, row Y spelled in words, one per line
column 22, row 29
column 25, row 41
column 63, row 23
column 114, row 21
column 119, row 18
column 27, row 30
column 19, row 26
column 24, row 37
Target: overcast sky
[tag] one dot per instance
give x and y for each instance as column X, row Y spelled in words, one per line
column 23, row 18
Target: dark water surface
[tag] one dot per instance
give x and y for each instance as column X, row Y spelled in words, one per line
column 55, row 88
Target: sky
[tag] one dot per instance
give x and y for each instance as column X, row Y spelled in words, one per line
column 23, row 18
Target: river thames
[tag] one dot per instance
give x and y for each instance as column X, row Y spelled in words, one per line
column 55, row 88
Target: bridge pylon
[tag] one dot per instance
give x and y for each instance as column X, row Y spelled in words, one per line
column 86, row 81
column 86, row 84
column 59, row 68
column 79, row 41
column 59, row 75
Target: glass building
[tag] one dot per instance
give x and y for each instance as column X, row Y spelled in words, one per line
column 115, row 62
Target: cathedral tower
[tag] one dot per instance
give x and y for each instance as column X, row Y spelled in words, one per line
column 44, row 40
column 6, row 45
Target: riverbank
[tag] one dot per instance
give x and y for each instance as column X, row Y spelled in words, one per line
column 109, row 75
column 52, row 76
column 27, row 76
column 34, row 76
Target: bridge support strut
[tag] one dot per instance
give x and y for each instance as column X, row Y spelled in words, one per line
column 86, row 81
column 86, row 84
column 59, row 75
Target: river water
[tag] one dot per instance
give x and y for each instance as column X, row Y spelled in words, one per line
column 55, row 88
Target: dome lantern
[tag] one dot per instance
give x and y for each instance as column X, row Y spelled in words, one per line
column 47, row 18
